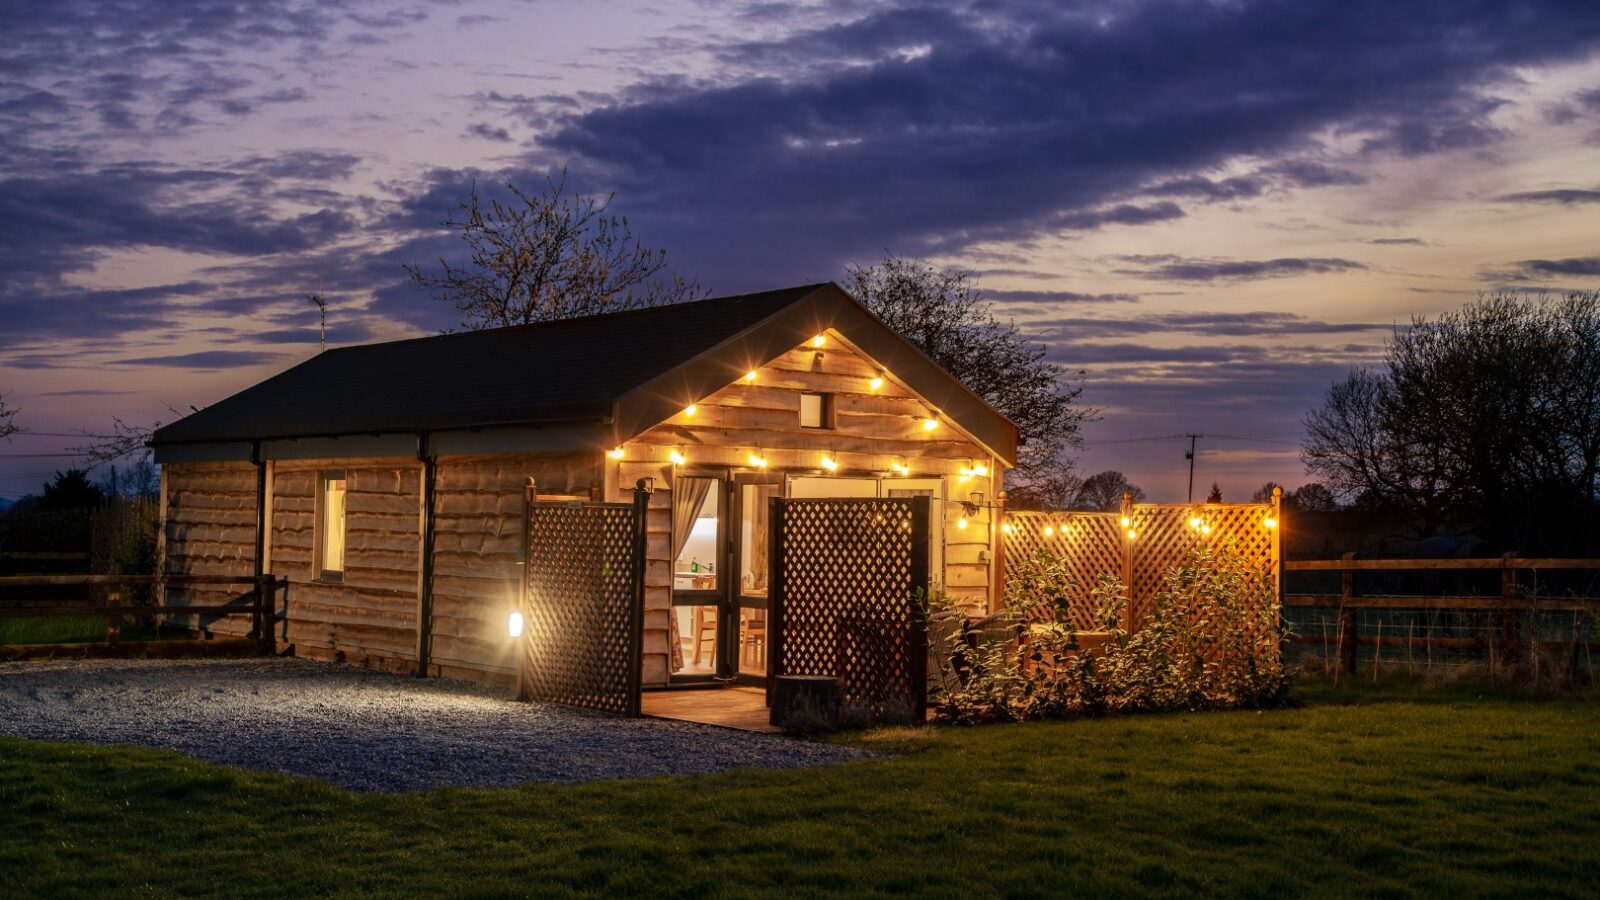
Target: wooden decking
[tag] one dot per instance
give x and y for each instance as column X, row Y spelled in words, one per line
column 740, row 707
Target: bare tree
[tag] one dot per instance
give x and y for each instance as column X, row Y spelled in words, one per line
column 944, row 313
column 124, row 442
column 1103, row 492
column 1485, row 419
column 1312, row 496
column 549, row 255
column 8, row 419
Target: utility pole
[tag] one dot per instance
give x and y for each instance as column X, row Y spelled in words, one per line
column 1190, row 457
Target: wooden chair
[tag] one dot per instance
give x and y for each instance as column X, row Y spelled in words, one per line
column 755, row 642
column 705, row 631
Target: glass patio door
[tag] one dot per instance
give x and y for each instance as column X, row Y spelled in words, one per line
column 698, row 617
column 749, row 644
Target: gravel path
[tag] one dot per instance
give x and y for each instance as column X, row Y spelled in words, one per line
column 366, row 731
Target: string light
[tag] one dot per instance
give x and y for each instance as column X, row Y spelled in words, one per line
column 690, row 410
column 1126, row 521
column 1205, row 529
column 819, row 340
column 750, row 376
column 930, row 424
column 1270, row 522
column 1194, row 522
column 876, row 383
column 615, row 453
column 1049, row 531
column 677, row 458
column 829, row 462
column 1005, row 528
column 980, row 470
column 1132, row 534
column 901, row 469
column 961, row 522
column 757, row 460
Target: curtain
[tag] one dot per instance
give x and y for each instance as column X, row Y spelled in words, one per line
column 688, row 495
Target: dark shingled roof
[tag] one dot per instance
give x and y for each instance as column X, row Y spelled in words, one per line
column 569, row 370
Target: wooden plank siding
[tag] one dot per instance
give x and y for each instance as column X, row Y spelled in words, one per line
column 477, row 542
column 874, row 431
column 370, row 617
column 209, row 516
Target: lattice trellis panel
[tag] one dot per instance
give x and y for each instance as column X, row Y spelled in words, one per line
column 1089, row 544
column 1092, row 544
column 846, row 574
column 582, row 604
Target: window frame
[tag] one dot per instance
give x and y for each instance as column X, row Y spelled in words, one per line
column 320, row 530
column 825, row 417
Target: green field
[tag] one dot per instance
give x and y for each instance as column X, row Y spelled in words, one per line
column 1386, row 793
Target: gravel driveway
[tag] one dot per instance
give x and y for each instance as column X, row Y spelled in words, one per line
column 362, row 730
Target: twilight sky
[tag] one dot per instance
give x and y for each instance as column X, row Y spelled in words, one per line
column 1216, row 209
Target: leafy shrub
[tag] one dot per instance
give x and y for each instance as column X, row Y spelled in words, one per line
column 1210, row 639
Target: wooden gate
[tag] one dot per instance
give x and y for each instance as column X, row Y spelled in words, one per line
column 582, row 602
column 849, row 578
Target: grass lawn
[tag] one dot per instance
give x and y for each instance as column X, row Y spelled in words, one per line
column 66, row 630
column 1357, row 793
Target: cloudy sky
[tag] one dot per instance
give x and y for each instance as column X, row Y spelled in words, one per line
column 1216, row 209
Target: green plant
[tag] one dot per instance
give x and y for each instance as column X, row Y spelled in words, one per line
column 1209, row 639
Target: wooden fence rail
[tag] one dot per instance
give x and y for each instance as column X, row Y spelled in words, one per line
column 1508, row 605
column 259, row 602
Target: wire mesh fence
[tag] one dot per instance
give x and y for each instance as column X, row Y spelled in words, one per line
column 1534, row 621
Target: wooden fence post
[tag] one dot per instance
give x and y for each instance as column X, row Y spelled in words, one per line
column 1131, row 613
column 918, row 649
column 642, row 490
column 1347, row 618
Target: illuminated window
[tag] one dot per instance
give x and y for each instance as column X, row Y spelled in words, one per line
column 816, row 410
column 330, row 527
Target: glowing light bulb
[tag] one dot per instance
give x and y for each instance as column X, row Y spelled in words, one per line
column 1205, row 529
column 980, row 470
column 961, row 522
column 750, row 376
column 690, row 410
column 615, row 453
column 876, row 383
column 819, row 340
column 930, row 424
column 677, row 458
column 1132, row 534
column 829, row 462
column 1270, row 522
column 901, row 469
column 1194, row 522
column 514, row 624
column 1049, row 531
column 1006, row 528
column 757, row 460
column 1126, row 521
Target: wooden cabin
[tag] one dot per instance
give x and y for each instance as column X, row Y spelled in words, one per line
column 386, row 481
